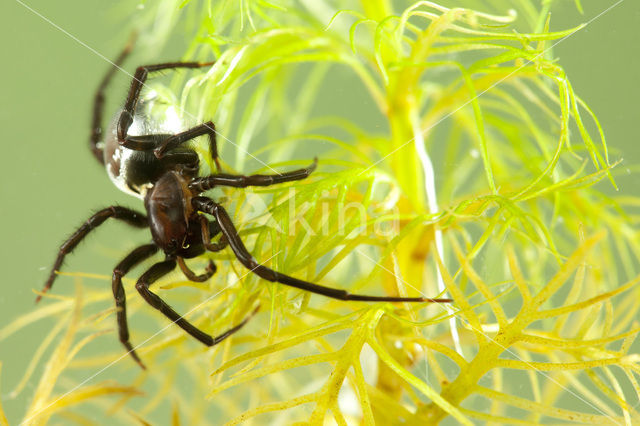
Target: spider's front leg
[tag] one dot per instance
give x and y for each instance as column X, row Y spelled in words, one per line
column 229, row 231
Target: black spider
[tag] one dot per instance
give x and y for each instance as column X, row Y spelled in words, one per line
column 163, row 171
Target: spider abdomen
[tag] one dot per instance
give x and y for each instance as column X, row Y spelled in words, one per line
column 134, row 171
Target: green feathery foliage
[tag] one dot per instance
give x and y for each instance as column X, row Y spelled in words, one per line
column 542, row 266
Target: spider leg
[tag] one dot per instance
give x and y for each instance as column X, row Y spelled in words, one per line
column 238, row 181
column 98, row 102
column 132, row 259
column 139, row 78
column 174, row 141
column 219, row 338
column 128, row 216
column 185, row 162
column 206, row 227
column 208, row 273
column 152, row 275
column 145, row 142
column 206, row 205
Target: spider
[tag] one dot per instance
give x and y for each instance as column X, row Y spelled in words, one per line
column 160, row 169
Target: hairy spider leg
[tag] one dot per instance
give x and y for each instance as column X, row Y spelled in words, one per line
column 156, row 272
column 124, row 214
column 153, row 142
column 98, row 103
column 134, row 258
column 208, row 206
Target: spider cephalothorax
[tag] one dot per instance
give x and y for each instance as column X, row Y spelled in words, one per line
column 159, row 168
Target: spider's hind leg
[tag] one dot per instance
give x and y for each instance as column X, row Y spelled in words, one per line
column 98, row 103
column 176, row 140
column 137, row 83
